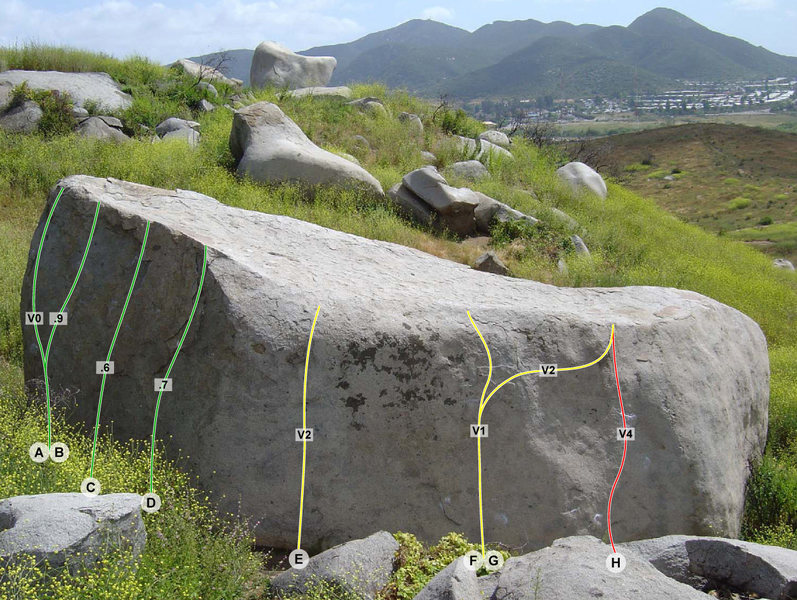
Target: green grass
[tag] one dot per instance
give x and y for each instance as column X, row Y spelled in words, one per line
column 191, row 551
column 782, row 235
column 633, row 242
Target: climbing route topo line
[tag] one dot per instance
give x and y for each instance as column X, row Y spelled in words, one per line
column 171, row 364
column 483, row 403
column 45, row 352
column 113, row 343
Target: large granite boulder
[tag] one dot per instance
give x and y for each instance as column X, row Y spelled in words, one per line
column 70, row 529
column 98, row 88
column 274, row 64
column 395, row 375
column 205, row 73
column 268, row 146
column 719, row 563
column 582, row 177
column 360, row 567
column 783, row 263
column 21, row 119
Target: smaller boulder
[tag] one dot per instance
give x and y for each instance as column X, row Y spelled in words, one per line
column 767, row 571
column 564, row 218
column 782, row 263
column 410, row 205
column 173, row 124
column 208, row 87
column 370, row 104
column 70, row 528
column 190, row 136
column 581, row 247
column 340, row 92
column 455, row 206
column 489, row 151
column 414, row 121
column 582, row 177
column 466, row 146
column 428, row 157
column 274, row 64
column 111, row 121
column 360, row 567
column 206, row 106
column 270, row 147
column 205, row 72
column 79, row 113
column 491, row 210
column 360, row 143
column 472, row 170
column 455, row 582
column 490, row 263
column 21, row 119
column 499, row 138
column 98, row 128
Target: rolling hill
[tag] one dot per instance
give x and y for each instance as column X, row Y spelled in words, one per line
column 733, row 179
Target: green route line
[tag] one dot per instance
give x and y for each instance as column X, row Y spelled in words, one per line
column 171, row 364
column 113, row 343
column 45, row 353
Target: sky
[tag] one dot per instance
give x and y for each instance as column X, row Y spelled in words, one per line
column 171, row 29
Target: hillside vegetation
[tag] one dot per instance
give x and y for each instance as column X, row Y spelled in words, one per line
column 729, row 179
column 196, row 554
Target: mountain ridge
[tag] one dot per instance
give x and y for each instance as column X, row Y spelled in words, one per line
column 502, row 58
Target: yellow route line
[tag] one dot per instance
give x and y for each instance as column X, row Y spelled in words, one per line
column 483, row 404
column 304, row 426
column 479, row 439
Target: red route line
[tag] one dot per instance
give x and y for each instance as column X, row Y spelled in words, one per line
column 625, row 446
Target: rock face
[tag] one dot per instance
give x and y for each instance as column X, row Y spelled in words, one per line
column 573, row 567
column 98, row 127
column 206, row 72
column 360, row 567
column 268, row 146
column 341, row 92
column 767, row 571
column 274, row 64
column 70, row 527
column 21, row 119
column 582, row 177
column 82, row 87
column 395, row 374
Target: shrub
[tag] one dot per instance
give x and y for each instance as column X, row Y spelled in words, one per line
column 765, row 220
column 457, row 122
column 739, row 203
column 56, row 108
column 731, row 181
column 416, row 565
